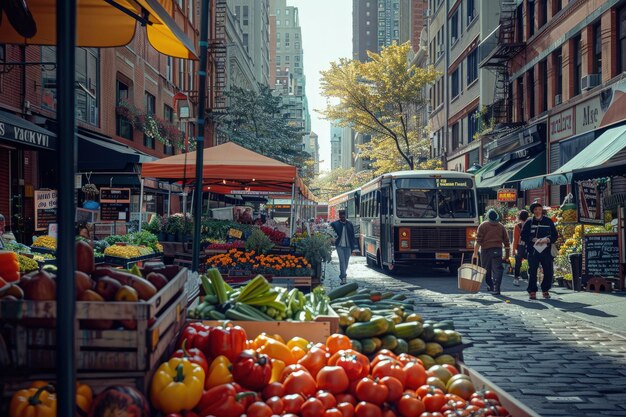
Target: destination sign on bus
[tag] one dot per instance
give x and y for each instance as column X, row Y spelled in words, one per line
column 454, row 183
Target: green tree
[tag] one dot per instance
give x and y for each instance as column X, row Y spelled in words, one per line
column 338, row 181
column 255, row 120
column 382, row 98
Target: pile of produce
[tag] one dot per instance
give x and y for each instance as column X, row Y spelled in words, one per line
column 128, row 251
column 375, row 321
column 217, row 372
column 237, row 244
column 258, row 300
column 259, row 263
column 27, row 264
column 141, row 239
column 45, row 242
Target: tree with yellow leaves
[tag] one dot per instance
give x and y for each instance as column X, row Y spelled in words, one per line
column 338, row 181
column 382, row 98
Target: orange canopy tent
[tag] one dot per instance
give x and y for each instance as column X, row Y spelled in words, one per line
column 228, row 166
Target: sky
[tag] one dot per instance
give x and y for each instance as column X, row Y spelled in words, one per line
column 326, row 37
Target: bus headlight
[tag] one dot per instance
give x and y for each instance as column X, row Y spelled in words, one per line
column 470, row 237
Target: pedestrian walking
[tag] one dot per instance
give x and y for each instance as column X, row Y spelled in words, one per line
column 539, row 234
column 519, row 246
column 345, row 243
column 491, row 237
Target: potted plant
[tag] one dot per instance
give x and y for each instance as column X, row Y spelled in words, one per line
column 258, row 242
column 155, row 226
column 316, row 249
column 174, row 228
column 91, row 192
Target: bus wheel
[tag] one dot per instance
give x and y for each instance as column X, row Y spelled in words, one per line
column 379, row 260
column 370, row 262
column 390, row 269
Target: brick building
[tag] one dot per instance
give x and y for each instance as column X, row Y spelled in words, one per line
column 109, row 147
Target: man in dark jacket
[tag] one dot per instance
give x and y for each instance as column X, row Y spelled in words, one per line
column 539, row 234
column 345, row 242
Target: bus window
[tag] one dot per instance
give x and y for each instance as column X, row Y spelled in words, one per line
column 416, row 203
column 456, row 203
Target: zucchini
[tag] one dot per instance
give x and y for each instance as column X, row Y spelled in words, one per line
column 218, row 284
column 342, row 290
column 375, row 327
column 399, row 297
column 368, row 346
column 216, row 315
column 409, row 330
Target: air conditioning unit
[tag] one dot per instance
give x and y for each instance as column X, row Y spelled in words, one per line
column 427, row 13
column 558, row 99
column 429, row 108
column 589, row 81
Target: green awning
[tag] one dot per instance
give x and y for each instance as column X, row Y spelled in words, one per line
column 599, row 152
column 501, row 173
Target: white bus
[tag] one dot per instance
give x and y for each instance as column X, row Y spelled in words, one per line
column 418, row 218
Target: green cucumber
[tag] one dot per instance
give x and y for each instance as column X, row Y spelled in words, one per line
column 342, row 290
column 368, row 346
column 216, row 315
column 409, row 330
column 375, row 327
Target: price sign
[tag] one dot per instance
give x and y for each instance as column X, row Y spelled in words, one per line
column 45, row 208
column 114, row 204
column 507, row 195
column 234, row 233
column 590, row 202
column 600, row 255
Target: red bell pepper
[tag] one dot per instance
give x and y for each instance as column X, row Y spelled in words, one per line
column 222, row 401
column 227, row 341
column 194, row 355
column 252, row 370
column 197, row 336
column 183, row 414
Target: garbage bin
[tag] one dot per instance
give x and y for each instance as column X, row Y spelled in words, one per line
column 576, row 262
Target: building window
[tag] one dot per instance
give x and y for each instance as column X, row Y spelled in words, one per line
column 286, row 12
column 519, row 26
column 557, row 5
column 530, row 76
column 578, row 63
column 169, row 68
column 287, row 43
column 168, row 115
column 543, row 69
column 558, row 73
column 190, row 10
column 472, row 66
column 277, row 22
column 531, row 18
column 296, row 45
column 621, row 42
column 245, row 15
column 471, row 11
column 454, row 81
column 543, row 12
column 190, row 76
column 181, row 74
column 597, row 48
column 245, row 41
column 150, row 109
column 286, row 22
column 454, row 27
column 123, row 127
column 520, row 99
column 472, row 124
column 455, row 136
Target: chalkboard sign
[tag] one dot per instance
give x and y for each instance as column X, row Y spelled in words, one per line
column 114, row 204
column 45, row 208
column 601, row 255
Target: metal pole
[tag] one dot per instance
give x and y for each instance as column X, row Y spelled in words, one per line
column 292, row 219
column 202, row 73
column 169, row 201
column 66, row 256
column 140, row 204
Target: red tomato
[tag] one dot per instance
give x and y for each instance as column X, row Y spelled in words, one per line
column 361, row 358
column 389, row 413
column 333, row 379
column 455, row 398
column 327, row 399
column 312, row 408
column 346, row 408
column 337, row 342
column 276, row 404
column 395, row 388
column 300, row 382
column 410, row 405
column 293, row 402
column 426, row 389
column 333, row 412
column 365, row 409
column 272, row 390
column 373, row 391
column 345, row 398
column 389, row 368
column 289, row 369
column 387, row 352
column 434, row 401
column 379, row 358
column 259, row 409
column 478, row 402
column 353, row 367
column 353, row 385
column 427, row 414
column 315, row 359
column 415, row 375
column 491, row 395
column 451, row 368
column 405, row 358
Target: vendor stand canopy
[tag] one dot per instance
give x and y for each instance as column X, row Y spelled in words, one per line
column 603, row 157
column 504, row 171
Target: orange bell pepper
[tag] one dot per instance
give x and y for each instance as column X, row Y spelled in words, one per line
column 277, row 370
column 219, row 373
column 277, row 350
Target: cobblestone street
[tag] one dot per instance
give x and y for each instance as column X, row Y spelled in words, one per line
column 554, row 362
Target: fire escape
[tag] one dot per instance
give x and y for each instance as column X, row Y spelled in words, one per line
column 218, row 59
column 496, row 52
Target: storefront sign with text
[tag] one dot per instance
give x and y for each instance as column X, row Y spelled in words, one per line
column 507, row 195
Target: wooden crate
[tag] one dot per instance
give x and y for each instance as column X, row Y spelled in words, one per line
column 158, row 322
column 314, row 331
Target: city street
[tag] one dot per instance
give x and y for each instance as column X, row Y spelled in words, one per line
column 561, row 357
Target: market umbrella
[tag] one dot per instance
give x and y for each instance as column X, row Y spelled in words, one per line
column 67, row 24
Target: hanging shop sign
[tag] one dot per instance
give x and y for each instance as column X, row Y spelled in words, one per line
column 507, row 195
column 114, row 204
column 590, row 202
column 18, row 130
column 45, row 208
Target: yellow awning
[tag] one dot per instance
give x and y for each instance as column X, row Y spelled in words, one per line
column 101, row 24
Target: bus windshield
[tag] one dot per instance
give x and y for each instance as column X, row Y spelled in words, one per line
column 426, row 202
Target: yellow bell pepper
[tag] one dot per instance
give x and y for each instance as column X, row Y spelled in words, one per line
column 298, row 353
column 34, row 402
column 219, row 373
column 84, row 397
column 298, row 341
column 276, row 350
column 278, row 337
column 176, row 386
column 277, row 369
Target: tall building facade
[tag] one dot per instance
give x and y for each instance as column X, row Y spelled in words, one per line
column 335, row 146
column 253, row 18
column 287, row 63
